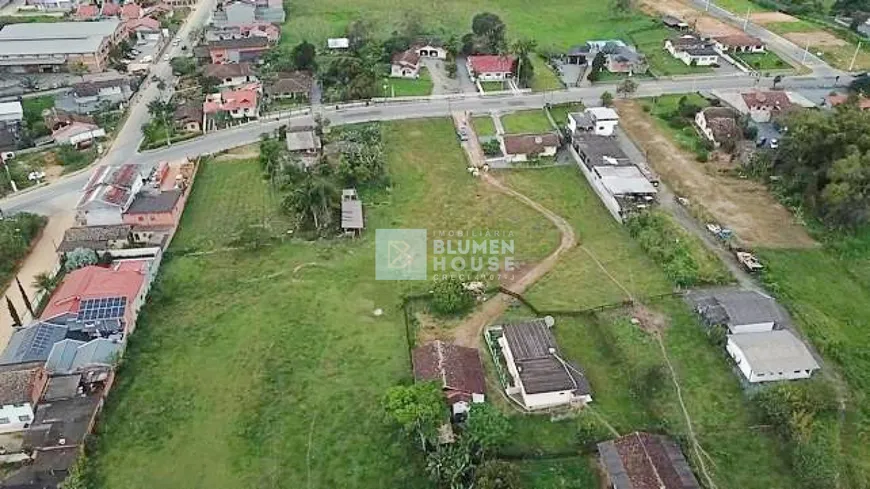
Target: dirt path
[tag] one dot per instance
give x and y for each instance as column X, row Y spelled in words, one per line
column 469, row 332
column 742, row 205
column 704, row 24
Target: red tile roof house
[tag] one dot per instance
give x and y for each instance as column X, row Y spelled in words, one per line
column 108, row 193
column 863, row 103
column 645, row 461
column 231, row 75
column 524, row 147
column 131, row 11
column 405, row 64
column 145, row 28
column 739, row 43
column 490, row 67
column 457, row 369
column 238, row 50
column 718, row 124
column 127, row 280
column 763, row 105
column 238, row 104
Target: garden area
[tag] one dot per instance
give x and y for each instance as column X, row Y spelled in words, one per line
column 763, row 61
column 526, row 121
column 674, row 115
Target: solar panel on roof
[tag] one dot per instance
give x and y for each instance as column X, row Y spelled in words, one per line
column 102, row 308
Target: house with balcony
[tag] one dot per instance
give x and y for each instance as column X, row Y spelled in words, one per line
column 239, row 104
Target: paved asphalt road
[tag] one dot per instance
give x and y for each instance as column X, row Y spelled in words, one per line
column 62, row 194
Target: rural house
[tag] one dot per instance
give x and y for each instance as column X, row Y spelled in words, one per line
column 601, row 121
column 245, row 49
column 692, row 50
column 645, row 461
column 146, row 29
column 741, row 311
column 291, row 85
column 739, row 43
column 303, row 142
column 108, row 193
column 160, row 203
column 770, row 356
column 101, row 302
column 719, row 125
column 21, row 385
column 490, row 67
column 620, row 57
column 90, row 96
column 622, row 186
column 188, row 116
column 405, row 64
column 430, row 49
column 238, row 104
column 257, row 29
column 97, row 238
column 764, row 105
column 231, row 75
column 457, row 369
column 524, row 147
column 540, row 377
column 32, row 343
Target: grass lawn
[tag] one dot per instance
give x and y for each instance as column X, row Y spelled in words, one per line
column 545, row 78
column 266, row 369
column 526, row 121
column 405, row 87
column 663, row 106
column 32, row 108
column 559, row 473
column 483, row 126
column 493, row 86
column 763, row 61
column 560, row 112
column 830, row 299
column 578, row 283
column 632, row 391
column 740, row 7
column 837, row 56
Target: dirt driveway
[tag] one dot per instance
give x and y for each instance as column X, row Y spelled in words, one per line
column 742, row 205
column 704, row 24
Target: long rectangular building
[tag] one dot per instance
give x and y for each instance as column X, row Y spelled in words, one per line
column 58, row 47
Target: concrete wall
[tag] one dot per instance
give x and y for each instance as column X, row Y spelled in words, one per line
column 751, row 328
column 598, row 186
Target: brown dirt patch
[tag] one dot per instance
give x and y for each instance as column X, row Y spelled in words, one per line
column 704, row 24
column 765, row 18
column 815, row 39
column 742, row 205
column 650, row 321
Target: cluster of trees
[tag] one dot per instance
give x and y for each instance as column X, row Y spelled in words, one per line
column 467, row 462
column 161, row 127
column 302, row 56
column 800, row 412
column 669, row 246
column 312, row 194
column 823, row 165
column 488, row 36
column 16, row 234
column 451, row 298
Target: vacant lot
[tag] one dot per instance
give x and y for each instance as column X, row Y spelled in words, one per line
column 526, row 121
column 405, row 87
column 704, row 24
column 830, row 299
column 265, row 369
column 835, row 48
column 744, row 206
column 578, row 282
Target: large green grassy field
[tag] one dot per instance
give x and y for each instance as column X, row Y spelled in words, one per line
column 265, row 369
column 828, row 293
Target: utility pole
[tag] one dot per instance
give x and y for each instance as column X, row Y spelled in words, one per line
column 746, row 20
column 855, row 56
column 806, row 52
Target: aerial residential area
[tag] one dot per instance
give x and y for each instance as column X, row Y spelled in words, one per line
column 492, row 245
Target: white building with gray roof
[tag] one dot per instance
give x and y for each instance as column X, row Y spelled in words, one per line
column 771, row 355
column 541, row 378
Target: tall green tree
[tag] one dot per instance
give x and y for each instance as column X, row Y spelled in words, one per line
column 607, row 99
column 26, row 299
column 419, row 409
column 487, row 428
column 304, row 56
column 16, row 319
column 597, row 65
column 490, row 31
column 522, row 49
column 626, row 88
column 314, row 200
column 45, row 283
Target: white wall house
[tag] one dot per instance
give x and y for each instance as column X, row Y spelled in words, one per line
column 691, row 50
column 541, row 378
column 600, row 121
column 430, row 51
column 771, row 356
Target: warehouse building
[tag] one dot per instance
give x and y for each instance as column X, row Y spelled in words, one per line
column 66, row 46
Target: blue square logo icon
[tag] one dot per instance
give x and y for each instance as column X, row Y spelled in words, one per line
column 400, row 254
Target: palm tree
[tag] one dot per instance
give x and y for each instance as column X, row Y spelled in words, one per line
column 314, row 198
column 521, row 48
column 45, row 283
